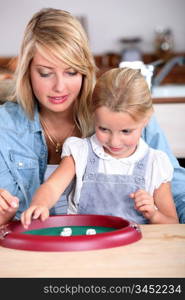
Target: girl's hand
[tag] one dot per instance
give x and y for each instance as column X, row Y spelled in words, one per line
column 8, row 202
column 144, row 203
column 34, row 212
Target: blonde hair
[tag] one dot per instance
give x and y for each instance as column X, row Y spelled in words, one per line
column 56, row 33
column 123, row 90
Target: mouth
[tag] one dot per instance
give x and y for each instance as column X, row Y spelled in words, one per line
column 58, row 100
column 113, row 149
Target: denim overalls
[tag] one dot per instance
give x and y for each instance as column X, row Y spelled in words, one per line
column 109, row 194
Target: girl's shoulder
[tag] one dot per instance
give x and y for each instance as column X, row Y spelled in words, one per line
column 75, row 146
column 74, row 141
column 159, row 156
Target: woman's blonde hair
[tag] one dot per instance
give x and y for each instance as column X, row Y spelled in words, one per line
column 123, row 90
column 56, row 33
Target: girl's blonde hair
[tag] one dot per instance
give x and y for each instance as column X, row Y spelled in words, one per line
column 123, row 90
column 56, row 33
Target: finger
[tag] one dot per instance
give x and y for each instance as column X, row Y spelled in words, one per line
column 10, row 200
column 142, row 202
column 22, row 218
column 28, row 216
column 44, row 215
column 24, row 221
column 3, row 205
column 2, row 211
column 146, row 208
column 139, row 193
column 37, row 213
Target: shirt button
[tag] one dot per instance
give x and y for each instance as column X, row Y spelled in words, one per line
column 20, row 164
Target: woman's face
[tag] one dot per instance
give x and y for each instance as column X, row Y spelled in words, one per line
column 55, row 85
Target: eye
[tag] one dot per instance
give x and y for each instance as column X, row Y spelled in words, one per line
column 44, row 74
column 102, row 128
column 126, row 131
column 72, row 72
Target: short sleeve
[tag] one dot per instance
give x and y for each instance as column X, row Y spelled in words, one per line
column 78, row 148
column 163, row 169
column 74, row 146
column 66, row 149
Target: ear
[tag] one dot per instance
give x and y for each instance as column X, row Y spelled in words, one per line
column 147, row 119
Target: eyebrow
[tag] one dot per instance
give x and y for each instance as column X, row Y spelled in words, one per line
column 43, row 66
column 51, row 68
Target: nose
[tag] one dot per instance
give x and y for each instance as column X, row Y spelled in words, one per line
column 114, row 141
column 59, row 84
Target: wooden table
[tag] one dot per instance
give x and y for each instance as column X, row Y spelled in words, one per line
column 160, row 253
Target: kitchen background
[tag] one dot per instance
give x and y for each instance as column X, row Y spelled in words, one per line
column 108, row 21
column 118, row 30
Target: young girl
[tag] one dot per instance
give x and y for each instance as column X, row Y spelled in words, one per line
column 116, row 171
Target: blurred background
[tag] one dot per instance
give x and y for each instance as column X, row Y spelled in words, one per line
column 152, row 32
column 107, row 21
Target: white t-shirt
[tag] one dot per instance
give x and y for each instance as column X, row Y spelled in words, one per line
column 159, row 168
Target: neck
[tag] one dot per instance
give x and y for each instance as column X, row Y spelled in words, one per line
column 56, row 119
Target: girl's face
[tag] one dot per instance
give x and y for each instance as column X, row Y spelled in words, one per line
column 117, row 131
column 55, row 85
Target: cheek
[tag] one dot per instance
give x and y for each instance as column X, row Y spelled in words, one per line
column 39, row 87
column 133, row 140
column 101, row 137
column 76, row 84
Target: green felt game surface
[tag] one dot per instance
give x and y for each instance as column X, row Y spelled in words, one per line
column 76, row 230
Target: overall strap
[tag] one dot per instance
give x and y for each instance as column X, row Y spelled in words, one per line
column 92, row 160
column 140, row 170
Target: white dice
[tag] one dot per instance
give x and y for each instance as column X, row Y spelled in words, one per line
column 90, row 231
column 67, row 231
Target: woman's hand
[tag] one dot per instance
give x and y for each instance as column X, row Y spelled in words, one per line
column 8, row 202
column 34, row 212
column 144, row 203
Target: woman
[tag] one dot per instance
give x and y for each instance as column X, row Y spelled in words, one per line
column 55, row 79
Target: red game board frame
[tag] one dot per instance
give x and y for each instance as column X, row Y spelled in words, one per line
column 11, row 235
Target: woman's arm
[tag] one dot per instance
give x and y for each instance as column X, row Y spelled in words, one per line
column 155, row 138
column 8, row 206
column 50, row 191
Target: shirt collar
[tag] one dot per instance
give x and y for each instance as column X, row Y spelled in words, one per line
column 136, row 156
column 34, row 124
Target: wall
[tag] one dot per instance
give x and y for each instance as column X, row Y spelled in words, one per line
column 108, row 21
column 174, row 132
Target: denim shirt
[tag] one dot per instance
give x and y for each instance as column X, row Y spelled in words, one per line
column 23, row 156
column 155, row 138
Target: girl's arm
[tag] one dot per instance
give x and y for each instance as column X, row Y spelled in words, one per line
column 166, row 211
column 159, row 209
column 50, row 191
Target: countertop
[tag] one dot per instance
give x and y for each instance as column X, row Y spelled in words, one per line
column 160, row 253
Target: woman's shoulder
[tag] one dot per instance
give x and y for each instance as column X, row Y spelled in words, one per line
column 10, row 110
column 12, row 116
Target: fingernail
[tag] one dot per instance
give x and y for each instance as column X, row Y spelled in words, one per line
column 14, row 204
